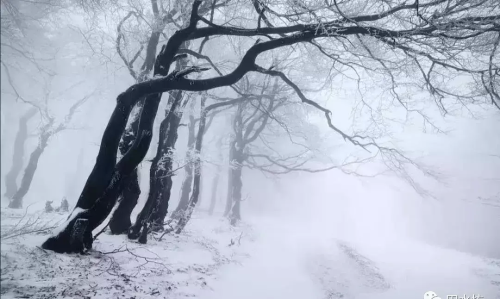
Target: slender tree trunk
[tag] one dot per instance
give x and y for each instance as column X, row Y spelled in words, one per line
column 188, row 179
column 29, row 172
column 229, row 197
column 158, row 215
column 200, row 197
column 237, row 185
column 186, row 216
column 213, row 197
column 215, row 181
column 18, row 157
column 160, row 176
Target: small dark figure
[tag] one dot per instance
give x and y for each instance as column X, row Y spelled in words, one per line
column 48, row 207
column 64, row 205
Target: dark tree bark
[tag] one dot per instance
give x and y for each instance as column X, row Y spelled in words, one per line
column 97, row 198
column 158, row 214
column 188, row 178
column 104, row 183
column 29, row 172
column 160, row 173
column 18, row 156
column 77, row 234
column 120, row 221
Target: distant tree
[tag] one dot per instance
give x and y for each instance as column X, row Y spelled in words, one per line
column 47, row 131
column 18, row 156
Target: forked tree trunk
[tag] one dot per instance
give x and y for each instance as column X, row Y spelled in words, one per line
column 104, row 183
column 188, row 178
column 160, row 172
column 105, row 180
column 18, row 156
column 29, row 173
column 120, row 221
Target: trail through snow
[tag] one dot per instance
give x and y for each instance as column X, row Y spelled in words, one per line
column 286, row 255
column 290, row 261
column 274, row 269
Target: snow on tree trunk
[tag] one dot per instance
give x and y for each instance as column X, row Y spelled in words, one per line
column 236, row 188
column 188, row 179
column 160, row 173
column 186, row 216
column 105, row 180
column 120, row 221
column 229, row 199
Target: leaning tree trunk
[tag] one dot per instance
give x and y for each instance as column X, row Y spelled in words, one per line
column 188, row 179
column 18, row 157
column 160, row 176
column 186, row 216
column 90, row 212
column 127, row 200
column 104, row 183
column 29, row 172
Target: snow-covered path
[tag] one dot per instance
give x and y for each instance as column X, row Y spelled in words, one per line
column 288, row 262
column 274, row 269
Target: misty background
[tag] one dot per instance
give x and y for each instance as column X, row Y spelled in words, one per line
column 458, row 208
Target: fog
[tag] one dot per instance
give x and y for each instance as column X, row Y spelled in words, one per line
column 425, row 221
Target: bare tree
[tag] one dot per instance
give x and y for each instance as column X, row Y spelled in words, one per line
column 247, row 126
column 187, row 183
column 162, row 17
column 188, row 178
column 18, row 157
column 47, row 131
column 410, row 33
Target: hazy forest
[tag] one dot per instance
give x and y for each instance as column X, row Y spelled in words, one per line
column 250, row 149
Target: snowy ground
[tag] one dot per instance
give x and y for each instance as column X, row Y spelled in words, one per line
column 178, row 266
column 265, row 258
